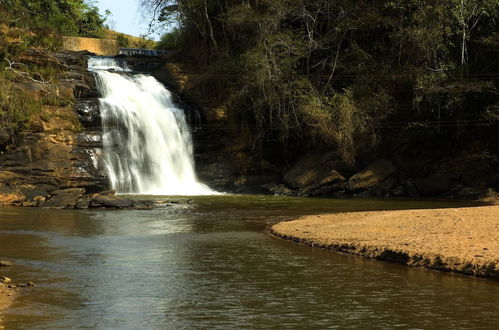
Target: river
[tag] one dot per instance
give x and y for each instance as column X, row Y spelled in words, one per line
column 210, row 263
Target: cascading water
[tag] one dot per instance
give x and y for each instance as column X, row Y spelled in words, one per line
column 147, row 143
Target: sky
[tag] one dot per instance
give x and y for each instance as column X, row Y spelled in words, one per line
column 126, row 16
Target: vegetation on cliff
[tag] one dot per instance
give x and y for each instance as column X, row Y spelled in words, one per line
column 28, row 84
column 339, row 72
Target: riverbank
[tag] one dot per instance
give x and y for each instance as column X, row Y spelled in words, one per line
column 463, row 240
column 7, row 296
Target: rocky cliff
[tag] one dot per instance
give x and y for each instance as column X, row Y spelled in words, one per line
column 60, row 147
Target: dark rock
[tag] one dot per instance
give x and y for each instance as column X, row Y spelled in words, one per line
column 435, row 185
column 112, row 201
column 333, row 181
column 280, row 190
column 383, row 189
column 316, row 166
column 89, row 140
column 330, row 190
column 107, row 192
column 143, row 205
column 32, row 192
column 398, row 191
column 83, row 203
column 371, row 175
column 66, row 198
column 4, row 136
column 410, row 187
column 89, row 112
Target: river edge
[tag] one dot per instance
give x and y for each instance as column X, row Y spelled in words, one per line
column 7, row 297
column 460, row 240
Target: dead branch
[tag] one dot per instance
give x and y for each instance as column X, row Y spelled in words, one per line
column 43, row 84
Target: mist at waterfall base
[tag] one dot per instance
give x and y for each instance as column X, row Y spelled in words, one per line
column 147, row 143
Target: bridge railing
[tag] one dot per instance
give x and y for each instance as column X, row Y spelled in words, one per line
column 142, row 52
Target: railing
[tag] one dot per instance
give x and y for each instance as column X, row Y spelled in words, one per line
column 142, row 52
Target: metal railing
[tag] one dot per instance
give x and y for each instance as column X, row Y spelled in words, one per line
column 142, row 52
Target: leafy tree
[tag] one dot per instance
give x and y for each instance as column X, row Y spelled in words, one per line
column 338, row 71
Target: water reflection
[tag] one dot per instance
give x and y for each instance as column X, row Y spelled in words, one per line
column 210, row 265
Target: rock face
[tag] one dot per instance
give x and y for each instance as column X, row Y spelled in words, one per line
column 62, row 148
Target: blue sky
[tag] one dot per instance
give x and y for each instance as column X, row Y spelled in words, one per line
column 126, row 17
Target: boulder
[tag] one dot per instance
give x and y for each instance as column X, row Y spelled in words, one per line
column 333, row 181
column 65, row 198
column 435, row 185
column 280, row 190
column 372, row 175
column 314, row 167
column 6, row 263
column 335, row 189
column 83, row 203
column 5, row 280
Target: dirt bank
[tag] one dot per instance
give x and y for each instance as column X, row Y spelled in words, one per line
column 464, row 240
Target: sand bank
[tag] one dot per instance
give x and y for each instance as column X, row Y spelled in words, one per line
column 463, row 240
column 6, row 297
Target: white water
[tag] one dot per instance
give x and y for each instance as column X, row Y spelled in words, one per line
column 147, row 143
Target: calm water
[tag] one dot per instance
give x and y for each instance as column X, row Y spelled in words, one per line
column 210, row 264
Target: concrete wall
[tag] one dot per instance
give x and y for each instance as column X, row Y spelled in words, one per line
column 105, row 47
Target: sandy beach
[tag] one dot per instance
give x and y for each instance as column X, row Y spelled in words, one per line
column 463, row 240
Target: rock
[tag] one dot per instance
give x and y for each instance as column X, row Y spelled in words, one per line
column 107, row 192
column 10, row 195
column 383, row 189
column 143, row 205
column 316, row 166
column 25, row 285
column 409, row 186
column 331, row 182
column 111, row 201
column 34, row 192
column 437, row 184
column 280, row 190
column 371, row 175
column 5, row 280
column 4, row 136
column 7, row 177
column 334, row 189
column 66, row 198
column 6, row 263
column 83, row 203
column 89, row 112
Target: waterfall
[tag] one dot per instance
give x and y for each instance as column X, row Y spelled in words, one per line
column 147, row 143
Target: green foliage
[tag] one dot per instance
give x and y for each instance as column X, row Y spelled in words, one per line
column 170, row 40
column 123, row 41
column 44, row 20
column 16, row 107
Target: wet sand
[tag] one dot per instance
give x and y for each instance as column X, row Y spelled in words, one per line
column 463, row 240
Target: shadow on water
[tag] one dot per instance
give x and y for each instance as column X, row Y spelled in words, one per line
column 210, row 264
